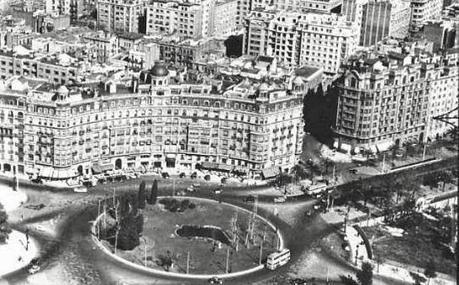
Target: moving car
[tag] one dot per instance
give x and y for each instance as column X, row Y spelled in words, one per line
column 215, row 280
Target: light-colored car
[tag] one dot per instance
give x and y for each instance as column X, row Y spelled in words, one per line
column 34, row 269
column 80, row 189
column 281, row 199
column 190, row 189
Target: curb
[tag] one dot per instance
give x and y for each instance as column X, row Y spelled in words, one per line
column 183, row 275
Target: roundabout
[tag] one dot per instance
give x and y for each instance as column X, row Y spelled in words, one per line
column 199, row 239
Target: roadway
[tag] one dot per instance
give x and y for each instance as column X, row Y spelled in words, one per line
column 72, row 245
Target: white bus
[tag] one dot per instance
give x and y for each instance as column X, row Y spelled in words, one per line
column 277, row 259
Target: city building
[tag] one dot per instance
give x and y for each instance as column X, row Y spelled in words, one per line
column 185, row 19
column 103, row 46
column 155, row 120
column 391, row 98
column 181, row 52
column 316, row 6
column 297, row 39
column 223, row 18
column 381, row 19
column 56, row 69
column 423, row 10
column 120, row 16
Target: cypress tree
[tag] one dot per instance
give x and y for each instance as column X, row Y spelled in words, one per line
column 141, row 195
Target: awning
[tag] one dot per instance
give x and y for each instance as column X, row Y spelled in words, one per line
column 46, row 172
column 96, row 168
column 270, row 172
column 346, row 147
column 209, row 165
column 224, row 167
column 373, row 149
column 384, row 146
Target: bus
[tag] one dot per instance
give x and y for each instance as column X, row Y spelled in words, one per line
column 316, row 189
column 277, row 259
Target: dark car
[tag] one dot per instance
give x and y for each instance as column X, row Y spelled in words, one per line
column 249, row 199
column 37, row 181
column 165, row 175
column 194, row 175
column 215, row 280
column 182, row 175
column 298, row 281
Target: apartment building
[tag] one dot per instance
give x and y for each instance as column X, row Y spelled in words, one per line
column 257, row 32
column 183, row 53
column 423, row 10
column 327, row 41
column 185, row 19
column 296, row 39
column 381, row 19
column 393, row 99
column 119, row 16
column 59, row 7
column 222, row 18
column 317, row 6
column 103, row 46
column 54, row 69
column 153, row 122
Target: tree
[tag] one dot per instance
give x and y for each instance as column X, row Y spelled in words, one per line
column 299, row 172
column 128, row 235
column 139, row 222
column 430, row 270
column 5, row 228
column 379, row 260
column 365, row 275
column 154, row 193
column 141, row 196
column 348, row 280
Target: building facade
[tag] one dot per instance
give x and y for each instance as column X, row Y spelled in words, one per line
column 423, row 10
column 184, row 19
column 381, row 19
column 152, row 123
column 297, row 39
column 393, row 100
column 119, row 16
column 47, row 68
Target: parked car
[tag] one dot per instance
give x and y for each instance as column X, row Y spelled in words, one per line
column 37, row 180
column 196, row 185
column 182, row 175
column 218, row 191
column 194, row 175
column 80, row 189
column 190, row 189
column 34, row 266
column 249, row 199
column 215, row 280
column 165, row 175
column 280, row 199
column 298, row 281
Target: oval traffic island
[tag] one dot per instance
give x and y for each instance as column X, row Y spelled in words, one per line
column 196, row 238
column 210, row 232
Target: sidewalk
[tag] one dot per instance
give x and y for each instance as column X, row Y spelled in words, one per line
column 394, row 270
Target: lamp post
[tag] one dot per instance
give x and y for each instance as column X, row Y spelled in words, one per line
column 145, row 251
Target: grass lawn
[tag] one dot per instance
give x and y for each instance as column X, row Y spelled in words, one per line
column 159, row 232
column 420, row 243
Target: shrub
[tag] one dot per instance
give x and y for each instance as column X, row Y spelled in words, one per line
column 5, row 228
